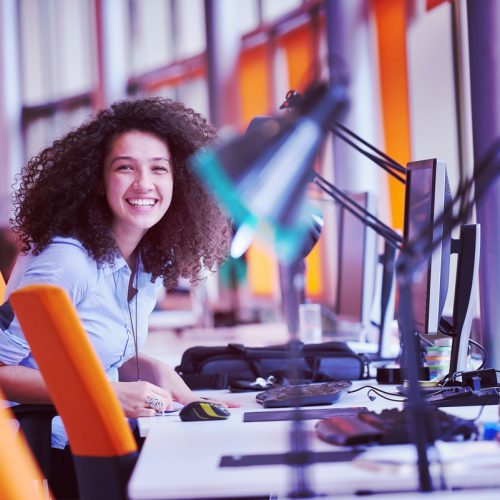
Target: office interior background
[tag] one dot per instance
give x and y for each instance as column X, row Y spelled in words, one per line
column 424, row 80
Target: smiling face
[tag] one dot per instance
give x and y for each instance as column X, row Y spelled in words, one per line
column 138, row 181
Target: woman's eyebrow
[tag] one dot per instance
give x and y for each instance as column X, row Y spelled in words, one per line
column 160, row 158
column 131, row 158
column 119, row 158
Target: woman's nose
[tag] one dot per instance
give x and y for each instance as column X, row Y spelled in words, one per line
column 143, row 179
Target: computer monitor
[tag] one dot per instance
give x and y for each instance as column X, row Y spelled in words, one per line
column 357, row 263
column 427, row 195
column 364, row 305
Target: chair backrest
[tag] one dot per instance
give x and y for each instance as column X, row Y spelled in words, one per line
column 93, row 418
column 20, row 478
column 103, row 446
column 2, row 289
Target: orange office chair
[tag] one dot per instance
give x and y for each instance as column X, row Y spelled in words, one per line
column 20, row 478
column 102, row 444
column 3, row 286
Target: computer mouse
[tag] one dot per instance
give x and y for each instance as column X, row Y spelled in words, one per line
column 198, row 411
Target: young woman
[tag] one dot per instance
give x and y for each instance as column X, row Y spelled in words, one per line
column 110, row 212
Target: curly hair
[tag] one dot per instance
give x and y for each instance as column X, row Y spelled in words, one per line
column 60, row 192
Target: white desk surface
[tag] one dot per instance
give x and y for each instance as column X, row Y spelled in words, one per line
column 181, row 459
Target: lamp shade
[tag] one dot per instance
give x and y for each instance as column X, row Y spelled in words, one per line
column 261, row 178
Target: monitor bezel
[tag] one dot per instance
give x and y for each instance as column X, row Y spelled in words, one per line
column 432, row 272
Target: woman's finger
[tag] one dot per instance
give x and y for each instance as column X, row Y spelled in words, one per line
column 160, row 392
column 227, row 404
column 145, row 412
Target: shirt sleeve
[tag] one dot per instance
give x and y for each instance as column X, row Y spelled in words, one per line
column 64, row 264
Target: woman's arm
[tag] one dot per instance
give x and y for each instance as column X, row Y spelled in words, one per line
column 23, row 385
column 26, row 385
column 162, row 375
column 158, row 373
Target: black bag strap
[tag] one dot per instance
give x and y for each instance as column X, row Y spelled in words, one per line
column 249, row 355
column 198, row 381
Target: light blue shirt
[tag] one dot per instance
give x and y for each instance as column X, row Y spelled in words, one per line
column 99, row 294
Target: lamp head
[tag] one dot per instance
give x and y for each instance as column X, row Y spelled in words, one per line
column 261, row 177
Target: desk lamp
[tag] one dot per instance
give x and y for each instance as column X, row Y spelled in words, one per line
column 261, row 180
column 392, row 240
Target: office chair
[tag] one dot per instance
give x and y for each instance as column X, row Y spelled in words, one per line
column 102, row 444
column 20, row 478
column 35, row 420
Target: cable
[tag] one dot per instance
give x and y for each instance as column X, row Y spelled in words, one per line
column 381, row 393
column 450, row 332
column 483, row 350
column 378, row 393
column 478, row 415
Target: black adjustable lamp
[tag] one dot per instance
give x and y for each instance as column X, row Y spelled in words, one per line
column 261, row 179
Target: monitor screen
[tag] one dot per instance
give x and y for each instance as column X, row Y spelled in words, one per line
column 357, row 264
column 427, row 194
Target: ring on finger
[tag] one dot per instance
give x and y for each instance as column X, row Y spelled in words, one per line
column 155, row 403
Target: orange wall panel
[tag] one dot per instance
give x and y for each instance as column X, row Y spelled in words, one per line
column 391, row 37
column 254, row 86
column 301, row 60
column 255, row 100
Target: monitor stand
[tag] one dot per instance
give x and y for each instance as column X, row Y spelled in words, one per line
column 387, row 298
column 468, row 249
column 461, row 393
column 466, row 287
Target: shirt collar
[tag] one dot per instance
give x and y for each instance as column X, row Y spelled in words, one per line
column 108, row 268
column 116, row 265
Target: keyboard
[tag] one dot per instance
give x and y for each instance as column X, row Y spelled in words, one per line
column 391, row 427
column 323, row 393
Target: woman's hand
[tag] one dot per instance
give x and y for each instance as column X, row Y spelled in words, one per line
column 162, row 375
column 142, row 399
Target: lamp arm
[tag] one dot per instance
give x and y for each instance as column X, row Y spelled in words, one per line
column 294, row 100
column 381, row 163
column 389, row 235
column 388, row 160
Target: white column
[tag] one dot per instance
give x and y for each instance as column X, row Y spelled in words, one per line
column 223, row 40
column 11, row 157
column 115, row 49
column 351, row 41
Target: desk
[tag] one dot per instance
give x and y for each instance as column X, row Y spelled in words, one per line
column 181, row 459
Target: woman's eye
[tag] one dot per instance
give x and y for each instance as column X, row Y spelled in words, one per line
column 160, row 169
column 124, row 167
